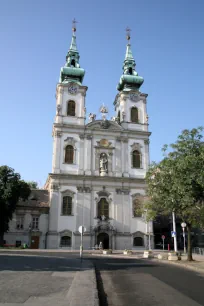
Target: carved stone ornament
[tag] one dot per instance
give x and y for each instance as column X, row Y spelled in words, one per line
column 134, row 97
column 57, row 133
column 146, row 141
column 82, row 189
column 105, row 124
column 103, row 225
column 70, row 141
column 147, row 119
column 136, row 146
column 122, row 138
column 81, row 136
column 54, row 187
column 89, row 136
column 122, row 191
column 69, row 193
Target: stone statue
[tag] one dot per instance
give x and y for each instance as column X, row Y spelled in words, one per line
column 103, row 163
column 92, row 117
column 103, row 218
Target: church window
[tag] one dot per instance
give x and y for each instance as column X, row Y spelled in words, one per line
column 134, row 115
column 69, row 154
column 67, row 206
column 71, row 108
column 138, row 241
column 136, row 207
column 65, row 241
column 103, row 208
column 136, row 159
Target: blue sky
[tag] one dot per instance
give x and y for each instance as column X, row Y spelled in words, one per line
column 167, row 43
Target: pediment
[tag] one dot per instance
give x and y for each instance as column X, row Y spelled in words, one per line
column 104, row 125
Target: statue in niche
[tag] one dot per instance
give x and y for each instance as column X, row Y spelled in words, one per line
column 103, row 218
column 103, row 163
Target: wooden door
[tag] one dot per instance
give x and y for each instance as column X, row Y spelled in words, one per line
column 34, row 242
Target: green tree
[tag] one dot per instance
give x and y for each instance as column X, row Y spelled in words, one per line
column 177, row 182
column 33, row 184
column 12, row 188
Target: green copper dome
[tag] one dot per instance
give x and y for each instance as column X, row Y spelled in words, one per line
column 72, row 72
column 130, row 78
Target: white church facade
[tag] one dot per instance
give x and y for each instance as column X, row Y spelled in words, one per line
column 99, row 167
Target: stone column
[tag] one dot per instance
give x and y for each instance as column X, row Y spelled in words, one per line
column 125, row 157
column 146, row 152
column 88, row 154
column 56, row 151
column 118, row 161
column 81, row 154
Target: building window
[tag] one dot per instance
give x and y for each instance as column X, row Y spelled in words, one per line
column 69, row 154
column 65, row 241
column 67, row 206
column 136, row 159
column 103, row 208
column 138, row 241
column 136, row 207
column 19, row 222
column 134, row 115
column 71, row 108
column 35, row 223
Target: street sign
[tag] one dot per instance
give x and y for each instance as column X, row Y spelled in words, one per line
column 82, row 229
column 173, row 234
column 163, row 237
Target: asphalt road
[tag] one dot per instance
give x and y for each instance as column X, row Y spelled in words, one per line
column 120, row 281
column 138, row 282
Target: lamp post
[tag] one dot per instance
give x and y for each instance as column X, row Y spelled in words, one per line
column 174, row 230
column 183, row 225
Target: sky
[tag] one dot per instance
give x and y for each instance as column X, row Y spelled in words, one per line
column 167, row 39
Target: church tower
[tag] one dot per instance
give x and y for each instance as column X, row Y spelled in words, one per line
column 99, row 167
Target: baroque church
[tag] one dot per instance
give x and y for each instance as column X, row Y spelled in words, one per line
column 99, row 167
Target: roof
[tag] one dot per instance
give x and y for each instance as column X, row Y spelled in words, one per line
column 37, row 198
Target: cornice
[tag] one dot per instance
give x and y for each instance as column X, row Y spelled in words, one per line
column 97, row 178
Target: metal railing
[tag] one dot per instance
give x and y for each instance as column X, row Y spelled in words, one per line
column 199, row 251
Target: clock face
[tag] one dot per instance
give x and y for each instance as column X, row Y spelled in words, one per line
column 72, row 89
column 133, row 97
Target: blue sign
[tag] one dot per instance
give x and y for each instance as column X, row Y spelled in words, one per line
column 173, row 234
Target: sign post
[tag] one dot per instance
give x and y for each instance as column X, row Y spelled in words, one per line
column 82, row 230
column 163, row 237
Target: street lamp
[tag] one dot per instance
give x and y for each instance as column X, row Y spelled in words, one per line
column 183, row 225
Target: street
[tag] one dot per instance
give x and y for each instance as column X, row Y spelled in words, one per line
column 143, row 282
column 46, row 280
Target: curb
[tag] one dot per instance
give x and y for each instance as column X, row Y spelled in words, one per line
column 176, row 263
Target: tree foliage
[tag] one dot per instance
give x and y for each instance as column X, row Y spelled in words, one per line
column 177, row 182
column 33, row 184
column 12, row 188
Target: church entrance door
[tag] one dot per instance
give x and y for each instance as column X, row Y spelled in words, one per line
column 104, row 238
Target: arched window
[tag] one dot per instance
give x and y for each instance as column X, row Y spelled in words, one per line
column 73, row 63
column 71, row 108
column 130, row 70
column 67, row 206
column 136, row 159
column 69, row 154
column 136, row 208
column 134, row 115
column 103, row 208
column 65, row 241
column 138, row 241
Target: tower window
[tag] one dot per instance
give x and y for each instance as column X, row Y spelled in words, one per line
column 134, row 115
column 67, row 206
column 136, row 159
column 69, row 154
column 73, row 63
column 71, row 108
column 130, row 70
